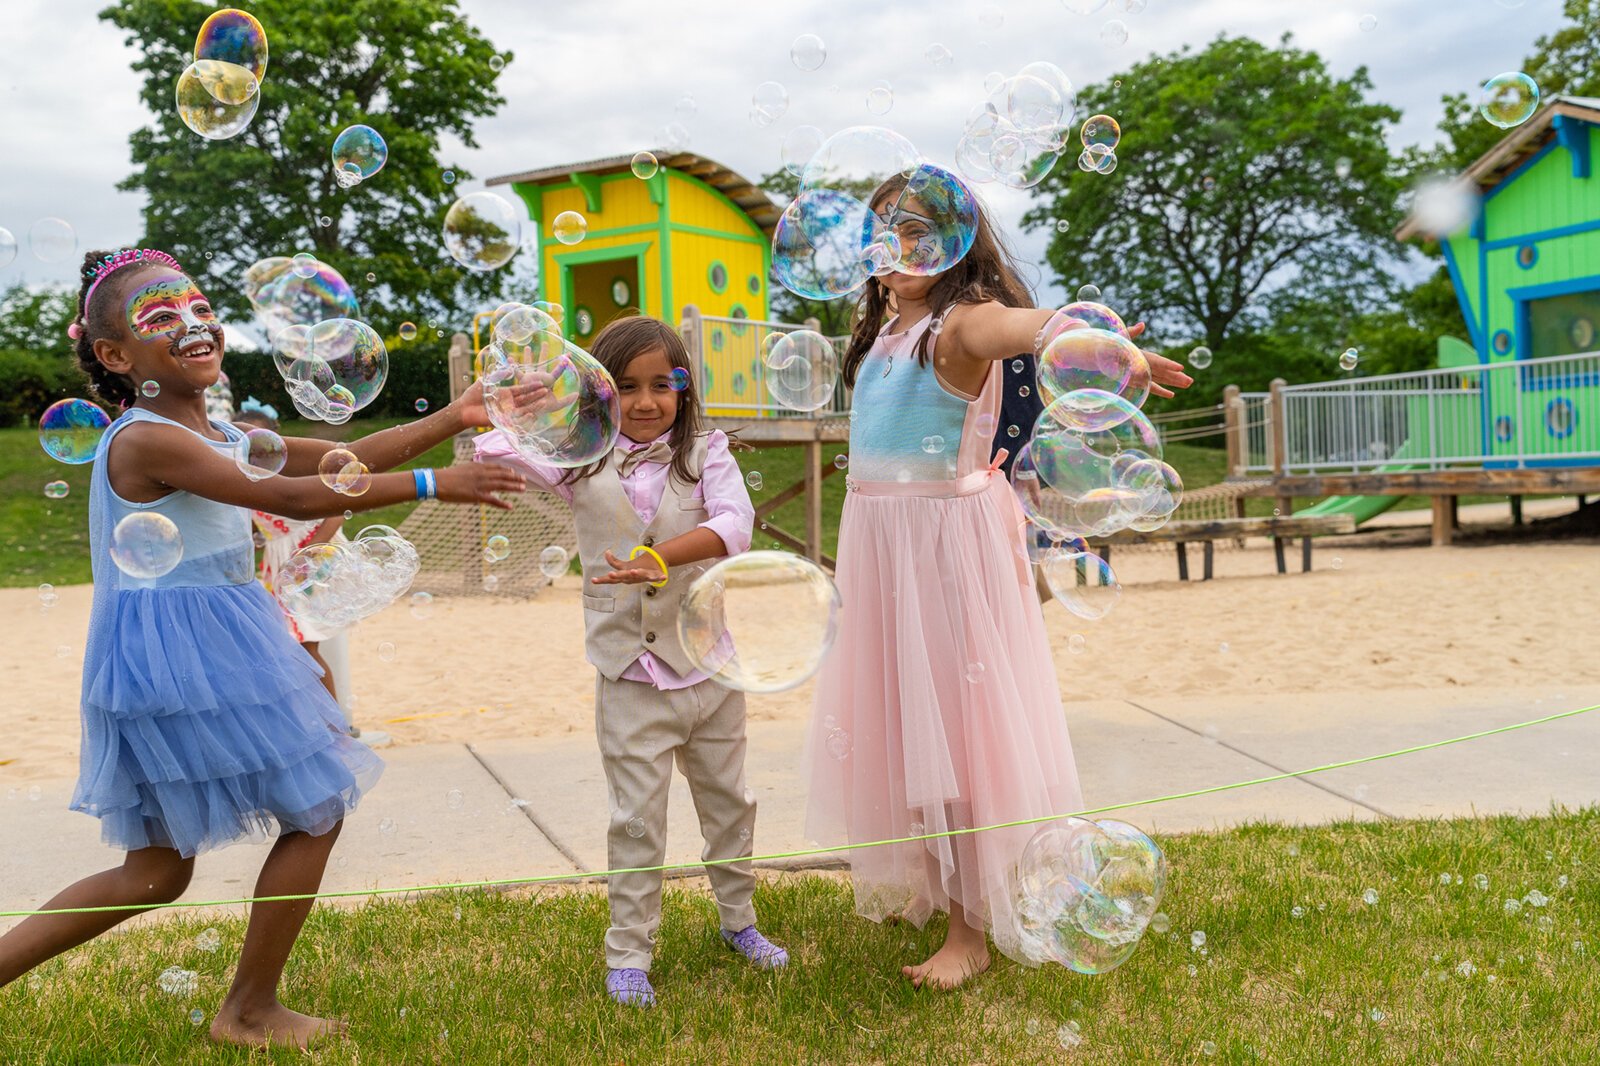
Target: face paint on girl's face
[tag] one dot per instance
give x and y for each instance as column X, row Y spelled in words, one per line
column 170, row 307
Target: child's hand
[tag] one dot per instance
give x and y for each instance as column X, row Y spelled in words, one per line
column 469, row 405
column 478, row 483
column 638, row 572
column 1163, row 371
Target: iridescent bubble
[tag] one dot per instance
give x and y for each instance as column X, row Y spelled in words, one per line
column 342, row 363
column 8, row 247
column 932, row 218
column 265, row 454
column 799, row 145
column 497, row 62
column 802, row 370
column 880, row 98
column 145, row 545
column 678, row 379
column 553, row 561
column 52, row 240
column 1103, row 422
column 841, row 462
column 768, row 103
column 482, row 231
column 70, row 430
column 817, row 246
column 408, row 331
column 1443, row 205
column 1086, row 893
column 1100, row 130
column 421, row 604
column 1091, row 314
column 215, row 99
column 1082, row 582
column 1368, row 23
column 497, row 548
column 448, row 177
column 558, row 408
column 725, row 620
column 1509, row 99
column 1105, row 161
column 808, row 52
column 304, row 265
column 753, row 479
column 1348, row 359
column 333, row 466
column 236, row 37
column 1093, row 359
column 359, row 152
column 644, row 165
column 281, row 298
column 1157, row 486
column 56, row 490
column 1200, row 357
column 569, row 227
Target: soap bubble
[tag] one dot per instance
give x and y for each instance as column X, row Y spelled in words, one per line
column 725, row 620
column 1093, row 359
column 1114, row 34
column 265, row 454
column 358, row 153
column 880, row 98
column 808, row 52
column 215, row 99
column 8, row 247
column 569, row 227
column 1368, row 23
column 634, row 827
column 1348, row 359
column 1157, row 487
column 70, row 430
column 339, row 467
column 421, row 405
column 802, row 370
column 497, row 548
column 333, row 585
column 1086, row 892
column 408, row 331
column 1092, row 314
column 1089, row 294
column 817, row 246
column 52, row 240
column 1016, row 135
column 768, row 103
column 236, row 37
column 1509, row 99
column 678, row 379
column 558, row 407
column 932, row 218
column 282, row 297
column 482, row 231
column 938, row 54
column 303, row 265
column 841, row 461
column 1095, row 597
column 56, row 490
column 859, row 160
column 644, row 165
column 1100, row 130
column 799, row 145
column 150, row 390
column 333, row 369
column 553, row 561
column 146, row 545
column 1200, row 357
column 176, row 981
column 1103, row 422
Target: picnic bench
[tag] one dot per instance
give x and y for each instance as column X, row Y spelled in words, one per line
column 1209, row 531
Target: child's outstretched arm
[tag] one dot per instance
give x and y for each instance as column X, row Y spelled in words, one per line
column 990, row 331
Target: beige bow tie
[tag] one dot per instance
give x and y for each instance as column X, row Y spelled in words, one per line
column 657, row 451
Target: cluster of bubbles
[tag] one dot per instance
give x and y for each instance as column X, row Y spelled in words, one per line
column 482, row 231
column 802, row 369
column 145, row 545
column 1086, row 893
column 358, row 153
column 1349, row 358
column 336, row 585
column 1508, row 99
column 555, row 402
column 1019, row 131
column 296, row 290
column 1100, row 136
column 725, row 620
column 218, row 93
column 340, row 470
column 868, row 205
column 70, row 430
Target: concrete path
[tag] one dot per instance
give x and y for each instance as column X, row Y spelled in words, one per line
column 503, row 809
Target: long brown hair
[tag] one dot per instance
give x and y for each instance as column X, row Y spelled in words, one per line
column 621, row 342
column 988, row 272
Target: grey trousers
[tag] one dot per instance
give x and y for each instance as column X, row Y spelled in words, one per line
column 641, row 731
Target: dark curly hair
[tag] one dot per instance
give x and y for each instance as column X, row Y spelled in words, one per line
column 102, row 320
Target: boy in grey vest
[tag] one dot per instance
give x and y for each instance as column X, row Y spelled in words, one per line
column 669, row 495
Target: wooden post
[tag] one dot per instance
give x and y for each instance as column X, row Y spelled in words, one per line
column 1516, row 510
column 690, row 328
column 459, row 363
column 1278, row 439
column 1233, row 422
column 1441, row 520
column 814, row 501
column 1455, row 512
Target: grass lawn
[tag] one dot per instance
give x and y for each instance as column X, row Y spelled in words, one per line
column 1429, row 973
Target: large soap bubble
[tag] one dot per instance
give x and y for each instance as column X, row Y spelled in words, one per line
column 332, row 586
column 8, row 246
column 235, row 37
column 1086, row 892
column 358, row 153
column 1105, row 422
column 1093, row 359
column 146, row 545
column 802, row 370
column 482, row 231
column 281, row 298
column 1082, row 582
column 70, row 430
column 725, row 622
column 933, row 218
column 817, row 246
column 1157, row 486
column 560, row 409
column 1509, row 99
column 217, row 100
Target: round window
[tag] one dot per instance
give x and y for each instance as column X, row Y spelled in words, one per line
column 718, row 276
column 621, row 294
column 738, row 312
column 1503, row 429
column 1502, row 341
column 1527, row 255
column 717, row 340
column 1582, row 334
column 738, row 384
column 584, row 321
column 1559, row 418
column 754, row 285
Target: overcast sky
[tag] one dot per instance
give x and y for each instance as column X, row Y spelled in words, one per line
column 587, row 84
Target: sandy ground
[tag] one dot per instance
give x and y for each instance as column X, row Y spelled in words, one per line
column 1368, row 619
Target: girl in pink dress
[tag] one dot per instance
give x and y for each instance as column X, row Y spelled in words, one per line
column 938, row 709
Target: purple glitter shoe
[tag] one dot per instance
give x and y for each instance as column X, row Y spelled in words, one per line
column 758, row 949
column 630, row 987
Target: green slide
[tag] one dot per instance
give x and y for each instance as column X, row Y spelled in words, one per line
column 1364, row 508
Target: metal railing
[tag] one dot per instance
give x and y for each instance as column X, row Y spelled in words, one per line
column 1526, row 412
column 732, row 373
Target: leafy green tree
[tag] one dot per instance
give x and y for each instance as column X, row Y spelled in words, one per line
column 414, row 71
column 1248, row 176
column 784, row 306
column 36, row 319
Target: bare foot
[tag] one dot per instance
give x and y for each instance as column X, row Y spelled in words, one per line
column 950, row 966
column 275, row 1026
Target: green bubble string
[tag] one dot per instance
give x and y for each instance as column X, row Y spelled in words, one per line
column 511, row 882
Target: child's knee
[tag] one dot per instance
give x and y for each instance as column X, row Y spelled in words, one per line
column 160, row 882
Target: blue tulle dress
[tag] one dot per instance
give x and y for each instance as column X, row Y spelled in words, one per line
column 204, row 722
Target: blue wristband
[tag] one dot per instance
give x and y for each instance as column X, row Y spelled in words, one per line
column 421, row 483
column 432, row 486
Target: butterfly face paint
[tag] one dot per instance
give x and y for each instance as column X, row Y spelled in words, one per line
column 171, row 307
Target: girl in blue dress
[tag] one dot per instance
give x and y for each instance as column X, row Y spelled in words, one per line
column 204, row 723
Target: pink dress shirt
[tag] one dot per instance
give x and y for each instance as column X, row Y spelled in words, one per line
column 730, row 516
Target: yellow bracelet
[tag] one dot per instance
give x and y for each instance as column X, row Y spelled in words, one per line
column 643, row 550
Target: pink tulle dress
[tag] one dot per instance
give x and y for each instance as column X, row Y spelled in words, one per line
column 938, row 707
